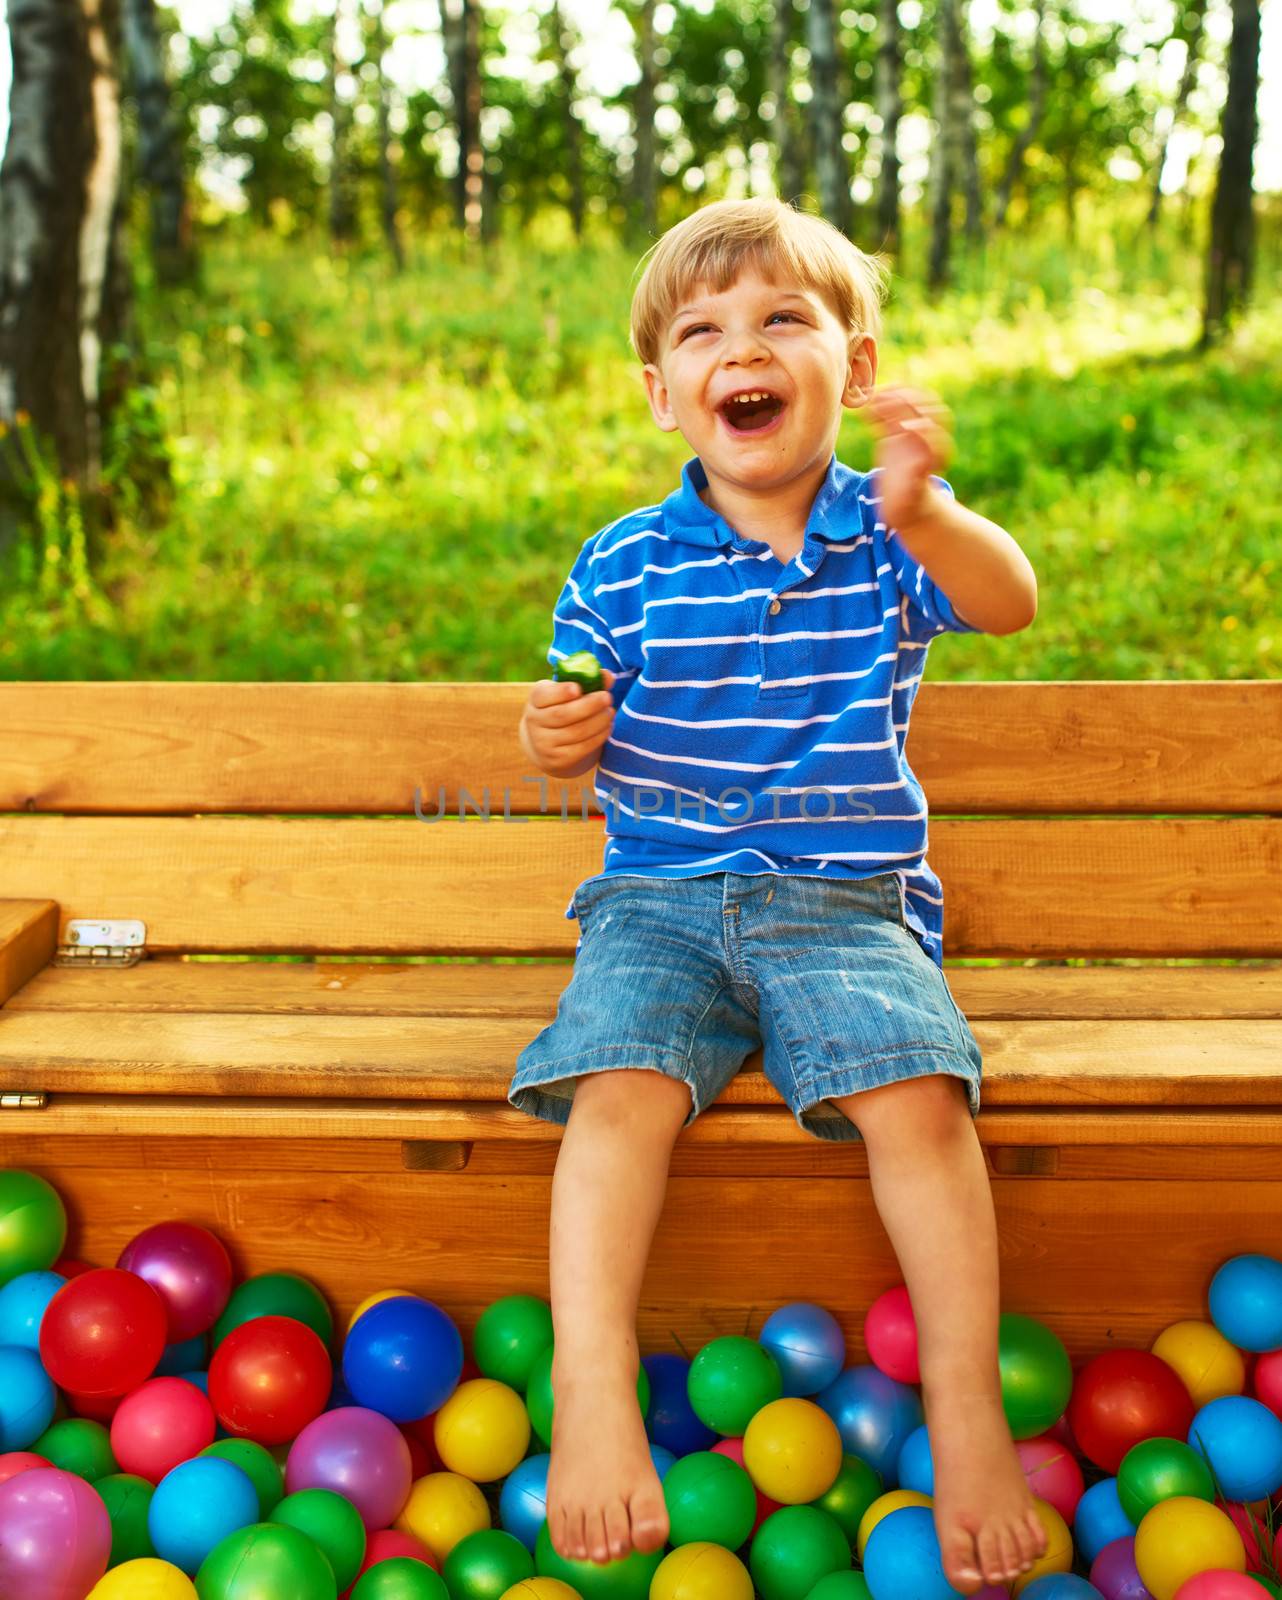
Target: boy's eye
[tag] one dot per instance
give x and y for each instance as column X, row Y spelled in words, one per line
column 775, row 314
column 695, row 327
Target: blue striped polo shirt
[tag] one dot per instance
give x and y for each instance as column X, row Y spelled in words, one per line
column 761, row 708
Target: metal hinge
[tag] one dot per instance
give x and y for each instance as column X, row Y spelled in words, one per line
column 23, row 1100
column 113, row 943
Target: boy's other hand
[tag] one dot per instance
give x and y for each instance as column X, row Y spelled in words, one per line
column 561, row 726
column 913, row 432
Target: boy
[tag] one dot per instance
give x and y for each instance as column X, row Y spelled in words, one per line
column 765, row 628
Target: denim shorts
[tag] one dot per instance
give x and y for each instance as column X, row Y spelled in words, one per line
column 688, row 976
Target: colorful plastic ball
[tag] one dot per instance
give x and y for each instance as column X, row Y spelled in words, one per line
column 793, row 1549
column 1058, row 1555
column 854, row 1490
column 701, row 1572
column 258, row 1465
column 1036, row 1375
column 445, row 1507
column 373, row 1300
column 263, row 1561
column 710, row 1500
column 12, row 1462
column 55, row 1536
column 792, row 1451
column 841, row 1586
column 127, row 1498
column 164, row 1421
column 483, row 1564
column 662, row 1460
column 669, row 1418
column 523, row 1501
column 730, row 1380
column 391, row 1544
column 1060, row 1586
column 1207, row 1364
column 540, row 1401
column 1180, row 1538
column 195, row 1506
column 103, row 1333
column 1245, row 1300
column 1155, row 1470
column 541, row 1589
column 1220, row 1585
column 357, row 1453
column 188, row 1268
column 628, row 1578
column 482, row 1430
column 1242, row 1440
column 22, row 1306
column 269, row 1378
column 902, row 1557
column 1114, row 1573
column 808, row 1346
column 1052, row 1473
column 915, row 1467
column 890, row 1336
column 732, row 1449
column 27, row 1397
column 276, row 1294
column 79, row 1445
column 400, row 1579
column 874, row 1415
column 403, row 1357
column 1122, row 1397
column 332, row 1523
column 189, row 1355
column 881, row 1508
column 33, row 1224
column 144, row 1578
column 1099, row 1519
column 509, row 1336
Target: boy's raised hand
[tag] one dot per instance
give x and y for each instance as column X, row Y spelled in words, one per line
column 912, row 428
column 561, row 725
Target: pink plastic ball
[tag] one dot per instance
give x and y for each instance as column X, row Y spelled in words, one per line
column 1254, row 1530
column 890, row 1336
column 1266, row 1380
column 734, row 1449
column 15, row 1461
column 1052, row 1473
column 55, row 1536
column 188, row 1268
column 358, row 1453
column 162, row 1423
column 1220, row 1585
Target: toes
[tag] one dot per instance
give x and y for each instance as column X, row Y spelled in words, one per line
column 649, row 1515
column 1032, row 1537
column 1012, row 1562
column 961, row 1565
column 573, row 1547
column 616, row 1529
column 594, row 1533
column 991, row 1563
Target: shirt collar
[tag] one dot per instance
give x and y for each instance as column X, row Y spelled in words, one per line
column 689, row 518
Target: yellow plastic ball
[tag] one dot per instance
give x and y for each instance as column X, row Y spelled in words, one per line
column 443, row 1508
column 373, row 1300
column 145, row 1579
column 1181, row 1537
column 482, row 1430
column 1059, row 1548
column 541, row 1589
column 792, row 1451
column 701, row 1572
column 881, row 1507
column 1210, row 1366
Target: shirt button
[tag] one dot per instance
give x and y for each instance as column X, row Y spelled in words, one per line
column 775, row 608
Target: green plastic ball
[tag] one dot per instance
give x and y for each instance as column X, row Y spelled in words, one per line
column 332, row 1523
column 258, row 1465
column 856, row 1487
column 1156, row 1469
column 79, row 1445
column 710, row 1500
column 793, row 1549
column 538, row 1395
column 127, row 1499
column 841, row 1586
column 400, row 1578
column 33, row 1224
column 627, row 1579
column 276, row 1294
column 510, row 1336
column 1036, row 1375
column 729, row 1382
column 265, row 1562
column 484, row 1565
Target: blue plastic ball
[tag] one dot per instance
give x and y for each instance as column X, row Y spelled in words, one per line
column 403, row 1357
column 200, row 1379
column 916, row 1466
column 22, row 1304
column 669, row 1418
column 1060, row 1586
column 188, row 1355
column 1246, row 1302
column 196, row 1505
column 874, row 1415
column 902, row 1558
column 1099, row 1519
column 1242, row 1439
column 27, row 1398
column 523, row 1502
column 808, row 1344
column 663, row 1460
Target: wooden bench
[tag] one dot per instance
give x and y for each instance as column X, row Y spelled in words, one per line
column 347, row 1118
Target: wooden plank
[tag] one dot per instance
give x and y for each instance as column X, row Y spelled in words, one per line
column 28, row 939
column 488, row 989
column 1097, row 746
column 1088, row 887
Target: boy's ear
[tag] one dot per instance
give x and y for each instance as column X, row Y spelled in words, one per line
column 657, row 394
column 861, row 371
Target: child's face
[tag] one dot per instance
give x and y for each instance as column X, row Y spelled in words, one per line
column 757, row 336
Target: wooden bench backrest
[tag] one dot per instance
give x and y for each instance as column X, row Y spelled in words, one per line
column 1075, row 819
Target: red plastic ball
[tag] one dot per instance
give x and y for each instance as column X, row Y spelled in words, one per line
column 103, row 1333
column 188, row 1268
column 387, row 1543
column 733, row 1448
column 424, row 1431
column 269, row 1378
column 890, row 1336
column 166, row 1421
column 97, row 1407
column 1122, row 1397
column 68, row 1267
column 15, row 1461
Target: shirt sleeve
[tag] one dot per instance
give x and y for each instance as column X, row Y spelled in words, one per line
column 930, row 612
column 579, row 622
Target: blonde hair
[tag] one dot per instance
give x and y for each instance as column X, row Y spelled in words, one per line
column 719, row 240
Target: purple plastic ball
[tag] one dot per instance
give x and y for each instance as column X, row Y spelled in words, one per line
column 189, row 1269
column 55, row 1535
column 357, row 1453
column 1114, row 1574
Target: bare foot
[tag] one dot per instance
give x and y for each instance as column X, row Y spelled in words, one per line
column 988, row 1530
column 604, row 1496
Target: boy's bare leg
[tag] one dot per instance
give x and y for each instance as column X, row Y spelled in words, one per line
column 932, row 1192
column 604, row 1496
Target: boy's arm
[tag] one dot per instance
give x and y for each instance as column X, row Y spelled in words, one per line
column 984, row 573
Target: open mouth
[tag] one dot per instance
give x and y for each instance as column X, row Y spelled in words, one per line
column 751, row 411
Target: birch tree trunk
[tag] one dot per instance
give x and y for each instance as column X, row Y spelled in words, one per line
column 563, row 42
column 1014, row 168
column 831, row 167
column 645, row 177
column 386, row 167
column 1231, row 257
column 890, row 105
column 1196, row 20
column 160, row 165
column 342, row 215
column 461, row 20
column 790, row 166
column 944, row 158
column 963, row 91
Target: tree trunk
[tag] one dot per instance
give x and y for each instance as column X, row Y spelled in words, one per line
column 160, row 165
column 1231, row 257
column 890, row 105
column 462, row 23
column 1036, row 111
column 790, row 173
column 63, row 289
column 831, row 166
column 563, row 41
column 386, row 168
column 645, row 176
column 963, row 88
column 1196, row 20
column 342, row 215
column 944, row 161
